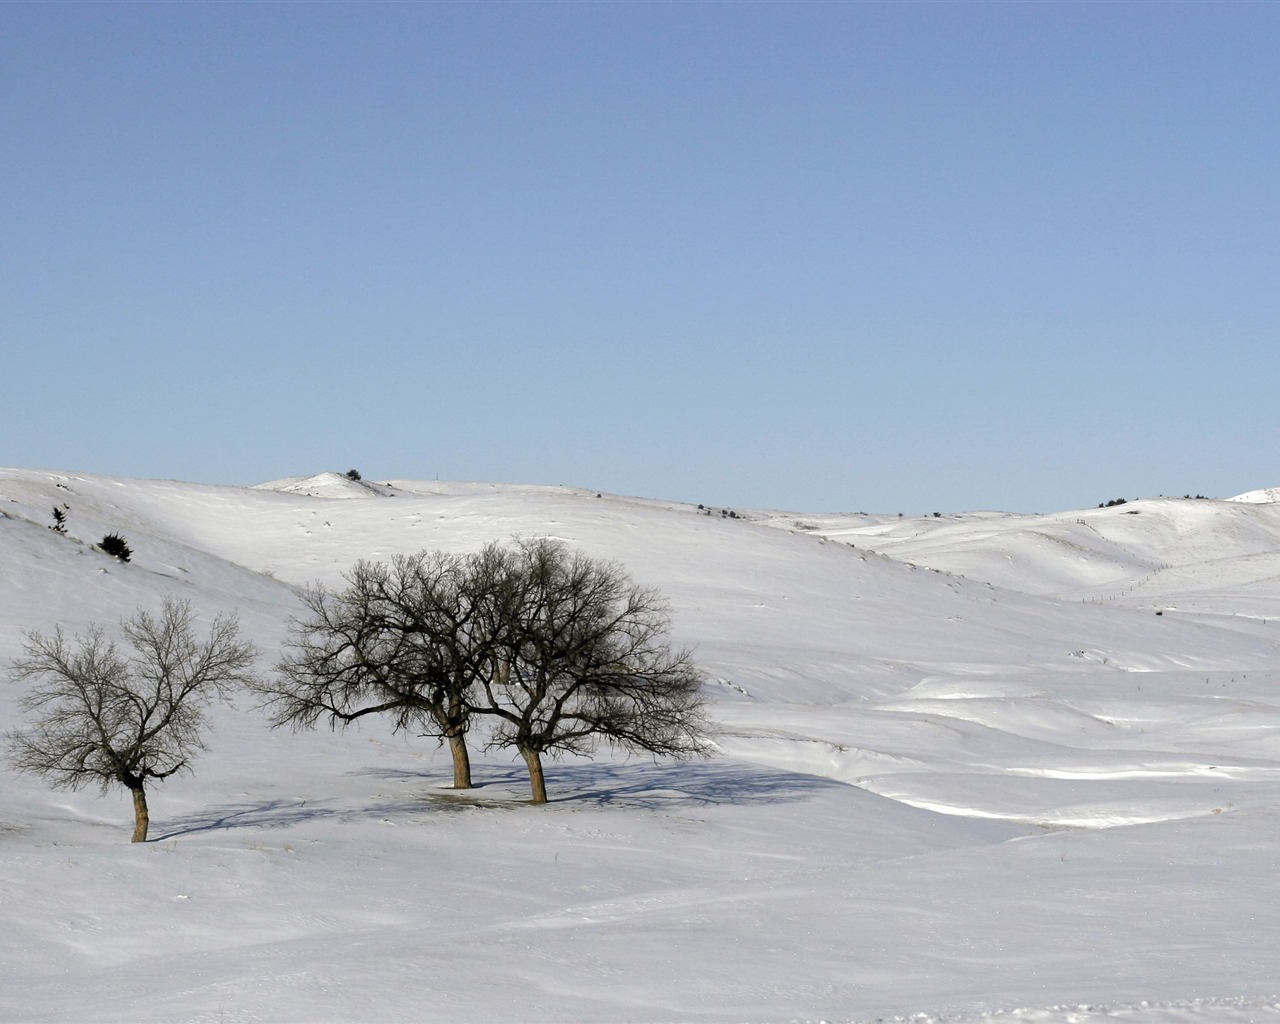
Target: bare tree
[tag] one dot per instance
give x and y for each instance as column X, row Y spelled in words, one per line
column 558, row 650
column 585, row 657
column 407, row 640
column 125, row 719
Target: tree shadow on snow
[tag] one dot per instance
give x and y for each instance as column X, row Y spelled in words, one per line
column 633, row 784
column 644, row 785
column 270, row 814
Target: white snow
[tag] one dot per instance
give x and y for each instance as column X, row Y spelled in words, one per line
column 1261, row 496
column 967, row 774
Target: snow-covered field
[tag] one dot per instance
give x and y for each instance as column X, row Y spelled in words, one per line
column 974, row 768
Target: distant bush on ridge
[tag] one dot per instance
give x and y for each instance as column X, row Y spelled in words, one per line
column 116, row 546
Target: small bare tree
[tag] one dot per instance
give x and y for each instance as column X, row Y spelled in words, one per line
column 585, row 657
column 125, row 719
column 406, row 639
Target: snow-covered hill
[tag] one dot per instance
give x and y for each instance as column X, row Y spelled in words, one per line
column 977, row 767
column 1196, row 554
column 1263, row 495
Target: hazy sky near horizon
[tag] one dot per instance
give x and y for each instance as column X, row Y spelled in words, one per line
column 863, row 256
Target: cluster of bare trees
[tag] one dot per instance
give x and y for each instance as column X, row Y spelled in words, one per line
column 553, row 651
column 549, row 651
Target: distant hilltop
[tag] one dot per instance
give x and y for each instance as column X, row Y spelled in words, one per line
column 1260, row 497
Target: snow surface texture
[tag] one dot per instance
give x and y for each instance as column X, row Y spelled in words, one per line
column 977, row 768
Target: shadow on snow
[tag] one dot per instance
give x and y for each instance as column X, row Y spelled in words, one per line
column 645, row 786
column 651, row 785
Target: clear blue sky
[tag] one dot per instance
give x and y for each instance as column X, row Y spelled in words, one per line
column 880, row 257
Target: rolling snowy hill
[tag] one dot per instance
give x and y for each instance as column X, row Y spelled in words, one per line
column 976, row 767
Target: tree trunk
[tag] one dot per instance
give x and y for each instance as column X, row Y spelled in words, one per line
column 537, row 783
column 461, row 761
column 141, row 819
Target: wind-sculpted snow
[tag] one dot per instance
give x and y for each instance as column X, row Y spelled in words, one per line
column 1144, row 553
column 1208, row 1011
column 966, row 774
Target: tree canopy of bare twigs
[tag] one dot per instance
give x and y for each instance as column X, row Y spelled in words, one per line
column 109, row 717
column 409, row 640
column 586, row 658
column 557, row 651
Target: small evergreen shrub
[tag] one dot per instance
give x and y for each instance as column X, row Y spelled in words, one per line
column 116, row 546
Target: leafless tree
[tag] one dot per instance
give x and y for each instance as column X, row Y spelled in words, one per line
column 559, row 651
column 406, row 640
column 125, row 718
column 585, row 657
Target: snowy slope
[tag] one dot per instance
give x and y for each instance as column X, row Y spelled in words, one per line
column 1265, row 494
column 989, row 785
column 1211, row 555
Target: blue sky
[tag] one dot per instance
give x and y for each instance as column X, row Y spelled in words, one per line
column 881, row 257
